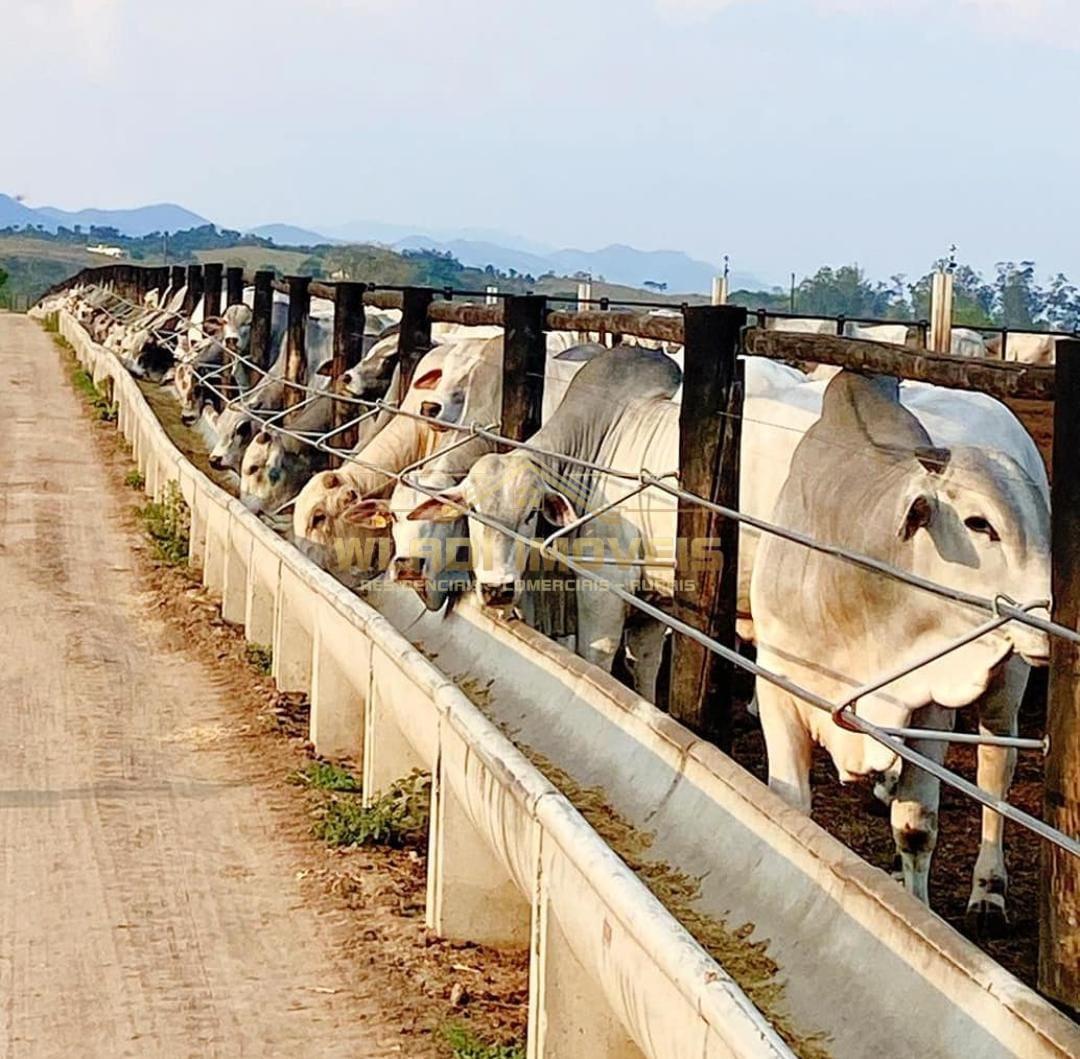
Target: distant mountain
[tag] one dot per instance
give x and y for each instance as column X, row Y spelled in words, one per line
column 389, row 234
column 14, row 213
column 290, row 235
column 616, row 263
column 160, row 217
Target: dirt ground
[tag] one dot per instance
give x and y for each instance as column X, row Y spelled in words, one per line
column 162, row 892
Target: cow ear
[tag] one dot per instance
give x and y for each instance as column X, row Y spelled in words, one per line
column 326, row 369
column 446, row 507
column 369, row 513
column 933, row 459
column 918, row 515
column 557, row 509
column 429, row 380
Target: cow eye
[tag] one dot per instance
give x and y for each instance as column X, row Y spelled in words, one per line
column 977, row 524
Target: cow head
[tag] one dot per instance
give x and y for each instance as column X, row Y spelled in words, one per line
column 235, row 430
column 431, row 557
column 469, row 368
column 975, row 521
column 320, row 530
column 267, row 481
column 509, row 491
column 236, row 329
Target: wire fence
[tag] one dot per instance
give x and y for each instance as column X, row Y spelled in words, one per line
column 1000, row 609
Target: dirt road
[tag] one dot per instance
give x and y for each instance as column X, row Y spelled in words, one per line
column 148, row 903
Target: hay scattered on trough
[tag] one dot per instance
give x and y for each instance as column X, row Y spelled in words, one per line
column 747, row 961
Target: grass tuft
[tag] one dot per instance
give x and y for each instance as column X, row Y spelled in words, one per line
column 324, row 776
column 83, row 382
column 168, row 525
column 51, row 323
column 397, row 818
column 260, row 657
column 464, row 1044
column 134, row 479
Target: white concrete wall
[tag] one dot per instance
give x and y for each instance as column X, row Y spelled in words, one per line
column 612, row 974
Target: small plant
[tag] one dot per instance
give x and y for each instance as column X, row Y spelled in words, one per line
column 324, row 776
column 260, row 657
column 464, row 1044
column 168, row 525
column 84, row 383
column 51, row 323
column 397, row 818
column 134, row 479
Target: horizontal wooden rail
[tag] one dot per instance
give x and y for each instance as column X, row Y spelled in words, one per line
column 1004, row 380
column 643, row 325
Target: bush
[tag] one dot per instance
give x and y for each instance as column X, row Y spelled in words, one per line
column 397, row 818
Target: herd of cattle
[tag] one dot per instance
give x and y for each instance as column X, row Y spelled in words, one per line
column 942, row 484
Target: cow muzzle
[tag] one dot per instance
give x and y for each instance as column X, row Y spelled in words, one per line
column 408, row 570
column 502, row 594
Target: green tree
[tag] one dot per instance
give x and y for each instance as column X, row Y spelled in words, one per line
column 1019, row 299
column 3, row 278
column 1061, row 304
column 973, row 297
column 832, row 291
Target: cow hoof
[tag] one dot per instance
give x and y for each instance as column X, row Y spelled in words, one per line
column 986, row 919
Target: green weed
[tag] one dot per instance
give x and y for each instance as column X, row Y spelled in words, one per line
column 100, row 405
column 464, row 1044
column 324, row 776
column 397, row 818
column 260, row 657
column 168, row 525
column 134, row 479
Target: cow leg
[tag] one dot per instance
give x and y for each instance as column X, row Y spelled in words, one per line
column 645, row 646
column 915, row 806
column 999, row 709
column 601, row 617
column 787, row 744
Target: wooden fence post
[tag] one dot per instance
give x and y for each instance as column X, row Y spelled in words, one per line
column 349, row 322
column 296, row 347
column 177, row 278
column 262, row 310
column 234, row 285
column 1059, row 896
column 161, row 281
column 414, row 339
column 707, row 558
column 212, row 290
column 719, row 290
column 194, row 281
column 524, row 359
column 941, row 307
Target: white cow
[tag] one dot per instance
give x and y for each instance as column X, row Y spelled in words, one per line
column 1026, row 349
column 636, row 426
column 869, row 476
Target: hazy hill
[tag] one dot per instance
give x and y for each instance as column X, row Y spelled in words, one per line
column 159, row 217
column 291, row 235
column 15, row 213
column 618, row 264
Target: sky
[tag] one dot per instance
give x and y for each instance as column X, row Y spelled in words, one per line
column 784, row 133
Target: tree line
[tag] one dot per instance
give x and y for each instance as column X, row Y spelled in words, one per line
column 1011, row 297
